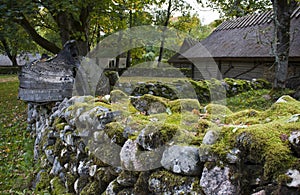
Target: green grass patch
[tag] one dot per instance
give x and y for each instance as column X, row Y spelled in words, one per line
column 16, row 145
column 260, row 100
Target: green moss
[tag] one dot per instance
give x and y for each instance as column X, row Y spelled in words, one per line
column 217, row 111
column 174, row 119
column 141, row 185
column 59, row 123
column 169, row 182
column 282, row 109
column 203, row 125
column 189, row 121
column 44, row 183
column 151, row 98
column 167, row 132
column 77, row 105
column 57, row 186
column 247, row 117
column 276, row 111
column 284, row 179
column 180, row 105
column 158, row 134
column 60, row 126
column 70, row 180
column 118, row 96
column 202, row 90
column 114, row 131
column 237, row 86
column 261, row 144
column 260, row 100
column 102, row 104
column 92, row 188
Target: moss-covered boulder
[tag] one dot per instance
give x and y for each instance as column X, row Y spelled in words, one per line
column 149, row 104
column 164, row 182
column 156, row 135
column 217, row 112
column 155, row 88
column 184, row 105
column 118, row 96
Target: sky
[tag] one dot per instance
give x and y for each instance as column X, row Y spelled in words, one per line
column 206, row 15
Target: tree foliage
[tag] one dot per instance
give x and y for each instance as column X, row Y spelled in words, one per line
column 238, row 8
column 14, row 40
column 191, row 25
column 50, row 23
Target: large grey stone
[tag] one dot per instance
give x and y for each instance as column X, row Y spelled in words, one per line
column 210, row 137
column 294, row 140
column 295, row 176
column 56, row 168
column 134, row 159
column 217, row 181
column 182, row 159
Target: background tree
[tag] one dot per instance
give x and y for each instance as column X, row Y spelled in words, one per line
column 191, row 25
column 13, row 41
column 163, row 18
column 283, row 10
column 50, row 23
column 70, row 20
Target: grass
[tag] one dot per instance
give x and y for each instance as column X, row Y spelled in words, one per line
column 16, row 145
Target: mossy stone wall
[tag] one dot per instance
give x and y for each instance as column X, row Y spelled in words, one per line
column 125, row 145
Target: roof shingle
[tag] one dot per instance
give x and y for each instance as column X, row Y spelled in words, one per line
column 246, row 37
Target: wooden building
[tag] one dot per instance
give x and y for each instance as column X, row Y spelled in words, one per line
column 242, row 48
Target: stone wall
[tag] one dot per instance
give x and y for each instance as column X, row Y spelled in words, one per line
column 152, row 145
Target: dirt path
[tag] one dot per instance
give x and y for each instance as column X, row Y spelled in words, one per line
column 5, row 78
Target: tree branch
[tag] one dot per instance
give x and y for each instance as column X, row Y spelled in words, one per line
column 44, row 43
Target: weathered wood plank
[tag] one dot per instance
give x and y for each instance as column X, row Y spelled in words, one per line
column 51, row 80
column 39, row 96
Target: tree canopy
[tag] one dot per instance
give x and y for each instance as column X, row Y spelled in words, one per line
column 238, row 8
column 46, row 25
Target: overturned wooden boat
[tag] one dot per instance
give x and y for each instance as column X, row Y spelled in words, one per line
column 50, row 80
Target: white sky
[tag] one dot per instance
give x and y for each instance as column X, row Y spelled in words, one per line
column 206, row 15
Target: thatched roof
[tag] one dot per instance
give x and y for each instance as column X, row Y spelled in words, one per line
column 246, row 37
column 187, row 44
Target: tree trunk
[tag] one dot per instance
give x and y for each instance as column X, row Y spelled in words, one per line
column 70, row 28
column 11, row 56
column 161, row 50
column 282, row 12
column 128, row 56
